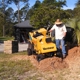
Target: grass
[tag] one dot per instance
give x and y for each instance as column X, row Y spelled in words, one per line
column 11, row 70
column 4, row 56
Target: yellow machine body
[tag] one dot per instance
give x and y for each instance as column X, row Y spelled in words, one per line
column 41, row 41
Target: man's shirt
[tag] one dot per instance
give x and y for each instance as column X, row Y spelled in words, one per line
column 59, row 31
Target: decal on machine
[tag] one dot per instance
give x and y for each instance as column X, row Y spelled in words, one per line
column 48, row 48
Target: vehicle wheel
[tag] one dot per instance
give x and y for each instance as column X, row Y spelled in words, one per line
column 40, row 57
column 29, row 51
column 59, row 54
column 32, row 48
column 51, row 54
column 29, row 45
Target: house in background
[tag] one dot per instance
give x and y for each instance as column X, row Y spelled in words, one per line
column 21, row 31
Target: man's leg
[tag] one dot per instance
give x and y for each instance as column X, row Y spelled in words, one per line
column 58, row 44
column 63, row 47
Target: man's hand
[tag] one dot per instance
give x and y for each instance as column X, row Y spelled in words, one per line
column 64, row 34
column 63, row 38
column 50, row 30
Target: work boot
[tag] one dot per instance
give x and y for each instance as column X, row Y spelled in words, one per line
column 64, row 56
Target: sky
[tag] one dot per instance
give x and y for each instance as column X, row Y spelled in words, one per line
column 70, row 3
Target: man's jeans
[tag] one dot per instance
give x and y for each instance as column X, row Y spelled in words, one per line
column 62, row 43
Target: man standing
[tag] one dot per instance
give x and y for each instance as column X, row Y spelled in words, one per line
column 60, row 33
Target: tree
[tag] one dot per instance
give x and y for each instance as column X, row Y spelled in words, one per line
column 37, row 4
column 9, row 13
column 46, row 13
column 71, row 12
column 24, row 12
column 32, row 9
column 1, row 23
column 3, row 6
column 77, row 10
column 18, row 4
column 78, row 3
column 54, row 3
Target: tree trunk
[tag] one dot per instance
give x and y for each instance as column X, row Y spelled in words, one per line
column 18, row 14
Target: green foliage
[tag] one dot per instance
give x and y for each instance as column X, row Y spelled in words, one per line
column 47, row 12
column 45, row 15
column 54, row 3
column 77, row 12
column 70, row 12
column 31, row 10
column 78, row 3
column 75, row 24
column 6, row 38
column 37, row 4
column 1, row 23
column 7, row 17
column 20, row 14
column 41, row 17
column 41, row 14
column 78, row 24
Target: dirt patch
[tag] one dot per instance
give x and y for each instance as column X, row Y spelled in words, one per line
column 53, row 68
column 52, row 64
column 49, row 64
column 73, row 58
column 55, row 63
column 73, row 53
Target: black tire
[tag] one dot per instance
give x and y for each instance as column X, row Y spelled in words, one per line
column 29, row 51
column 29, row 45
column 59, row 54
column 32, row 48
column 40, row 57
column 51, row 54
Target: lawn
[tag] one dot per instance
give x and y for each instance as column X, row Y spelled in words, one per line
column 17, row 67
column 11, row 69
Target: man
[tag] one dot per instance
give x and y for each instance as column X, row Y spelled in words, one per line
column 60, row 33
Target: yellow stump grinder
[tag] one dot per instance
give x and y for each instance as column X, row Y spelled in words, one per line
column 41, row 44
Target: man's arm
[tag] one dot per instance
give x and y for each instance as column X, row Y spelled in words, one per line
column 65, row 30
column 52, row 28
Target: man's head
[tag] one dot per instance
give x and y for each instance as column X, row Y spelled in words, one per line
column 58, row 22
